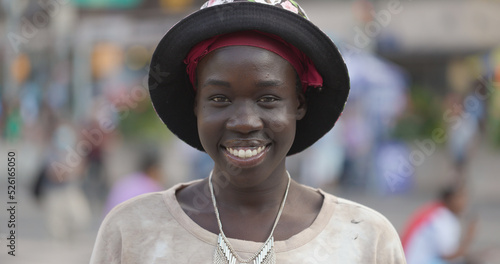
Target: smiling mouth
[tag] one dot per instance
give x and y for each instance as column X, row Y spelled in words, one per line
column 245, row 152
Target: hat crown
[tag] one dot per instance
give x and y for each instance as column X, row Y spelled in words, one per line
column 289, row 5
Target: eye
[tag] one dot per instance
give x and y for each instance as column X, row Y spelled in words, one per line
column 219, row 99
column 268, row 99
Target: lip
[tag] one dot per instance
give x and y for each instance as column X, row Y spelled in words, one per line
column 246, row 162
column 245, row 143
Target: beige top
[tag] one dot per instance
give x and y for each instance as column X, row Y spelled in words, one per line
column 153, row 228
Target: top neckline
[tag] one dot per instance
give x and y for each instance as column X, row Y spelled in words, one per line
column 297, row 240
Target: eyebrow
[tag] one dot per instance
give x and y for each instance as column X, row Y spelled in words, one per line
column 216, row 82
column 261, row 84
column 269, row 83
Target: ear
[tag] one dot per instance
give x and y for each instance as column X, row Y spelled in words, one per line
column 302, row 106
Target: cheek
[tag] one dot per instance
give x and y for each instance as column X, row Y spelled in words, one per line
column 209, row 116
column 281, row 123
column 210, row 126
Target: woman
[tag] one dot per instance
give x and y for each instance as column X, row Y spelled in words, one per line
column 249, row 83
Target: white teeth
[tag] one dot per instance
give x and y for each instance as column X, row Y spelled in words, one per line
column 247, row 153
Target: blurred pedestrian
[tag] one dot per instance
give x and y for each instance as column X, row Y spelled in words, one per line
column 147, row 179
column 434, row 234
column 66, row 208
column 464, row 114
column 95, row 184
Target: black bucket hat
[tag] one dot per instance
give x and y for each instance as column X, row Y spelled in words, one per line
column 172, row 93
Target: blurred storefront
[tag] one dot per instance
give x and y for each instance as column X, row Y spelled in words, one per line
column 424, row 37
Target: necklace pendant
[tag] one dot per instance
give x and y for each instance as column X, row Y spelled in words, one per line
column 224, row 254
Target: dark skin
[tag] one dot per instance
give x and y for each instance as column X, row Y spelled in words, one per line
column 457, row 204
column 246, row 99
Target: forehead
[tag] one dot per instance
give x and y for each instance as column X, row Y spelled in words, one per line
column 259, row 58
column 238, row 63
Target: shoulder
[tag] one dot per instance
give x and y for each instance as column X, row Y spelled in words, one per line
column 134, row 214
column 355, row 213
column 143, row 222
column 444, row 223
column 122, row 223
column 365, row 229
column 139, row 204
column 153, row 204
column 149, row 207
column 141, row 209
column 444, row 214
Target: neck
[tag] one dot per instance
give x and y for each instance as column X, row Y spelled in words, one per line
column 247, row 195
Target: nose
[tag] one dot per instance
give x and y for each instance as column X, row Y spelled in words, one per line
column 245, row 119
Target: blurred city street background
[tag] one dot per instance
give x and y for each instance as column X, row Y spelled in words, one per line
column 423, row 114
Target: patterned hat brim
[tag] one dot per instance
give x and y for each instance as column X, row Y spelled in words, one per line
column 172, row 94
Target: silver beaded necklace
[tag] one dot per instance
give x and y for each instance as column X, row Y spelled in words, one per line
column 225, row 254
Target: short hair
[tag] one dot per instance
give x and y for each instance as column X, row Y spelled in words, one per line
column 448, row 192
column 149, row 158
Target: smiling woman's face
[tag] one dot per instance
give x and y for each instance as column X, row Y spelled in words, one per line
column 247, row 107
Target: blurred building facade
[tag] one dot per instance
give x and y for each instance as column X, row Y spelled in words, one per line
column 428, row 38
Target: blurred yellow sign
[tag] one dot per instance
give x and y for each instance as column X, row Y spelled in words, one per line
column 21, row 68
column 175, row 5
column 107, row 58
column 137, row 57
